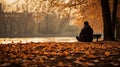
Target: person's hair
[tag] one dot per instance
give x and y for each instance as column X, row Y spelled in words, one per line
column 86, row 23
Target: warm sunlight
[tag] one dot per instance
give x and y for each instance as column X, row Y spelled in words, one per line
column 10, row 1
column 67, row 1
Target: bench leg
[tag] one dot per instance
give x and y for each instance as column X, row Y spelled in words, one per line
column 97, row 39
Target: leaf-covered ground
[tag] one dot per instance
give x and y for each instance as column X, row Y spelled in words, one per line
column 60, row 54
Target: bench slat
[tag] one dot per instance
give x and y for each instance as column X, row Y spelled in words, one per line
column 97, row 36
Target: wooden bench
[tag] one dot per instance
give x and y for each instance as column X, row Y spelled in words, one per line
column 97, row 36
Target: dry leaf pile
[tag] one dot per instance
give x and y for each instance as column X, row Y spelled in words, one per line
column 60, row 54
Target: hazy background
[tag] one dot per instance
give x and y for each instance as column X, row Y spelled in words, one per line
column 19, row 20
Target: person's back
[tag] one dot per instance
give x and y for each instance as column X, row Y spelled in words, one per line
column 86, row 34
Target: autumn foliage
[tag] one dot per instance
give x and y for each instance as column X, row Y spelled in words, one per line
column 61, row 54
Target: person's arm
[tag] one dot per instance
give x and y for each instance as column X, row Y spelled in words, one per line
column 81, row 33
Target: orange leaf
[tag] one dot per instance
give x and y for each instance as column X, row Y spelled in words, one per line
column 92, row 56
column 65, row 53
column 41, row 61
column 87, row 52
column 107, row 53
column 60, row 63
column 46, row 53
column 53, row 53
column 81, row 58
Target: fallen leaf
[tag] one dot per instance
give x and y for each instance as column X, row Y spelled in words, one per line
column 60, row 63
column 5, row 64
column 69, row 57
column 52, row 58
column 65, row 53
column 54, row 53
column 96, row 60
column 87, row 64
column 78, row 62
column 87, row 52
column 81, row 59
column 91, row 56
column 107, row 53
column 41, row 61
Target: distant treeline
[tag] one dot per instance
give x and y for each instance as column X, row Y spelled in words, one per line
column 23, row 25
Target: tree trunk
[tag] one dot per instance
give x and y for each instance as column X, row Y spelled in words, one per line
column 106, row 19
column 113, row 23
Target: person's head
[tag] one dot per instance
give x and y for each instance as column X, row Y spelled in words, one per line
column 86, row 23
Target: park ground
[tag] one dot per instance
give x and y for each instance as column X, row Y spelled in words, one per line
column 60, row 54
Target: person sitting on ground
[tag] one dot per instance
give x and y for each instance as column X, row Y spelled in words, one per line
column 86, row 34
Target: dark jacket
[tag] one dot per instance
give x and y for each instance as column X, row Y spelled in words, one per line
column 86, row 34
